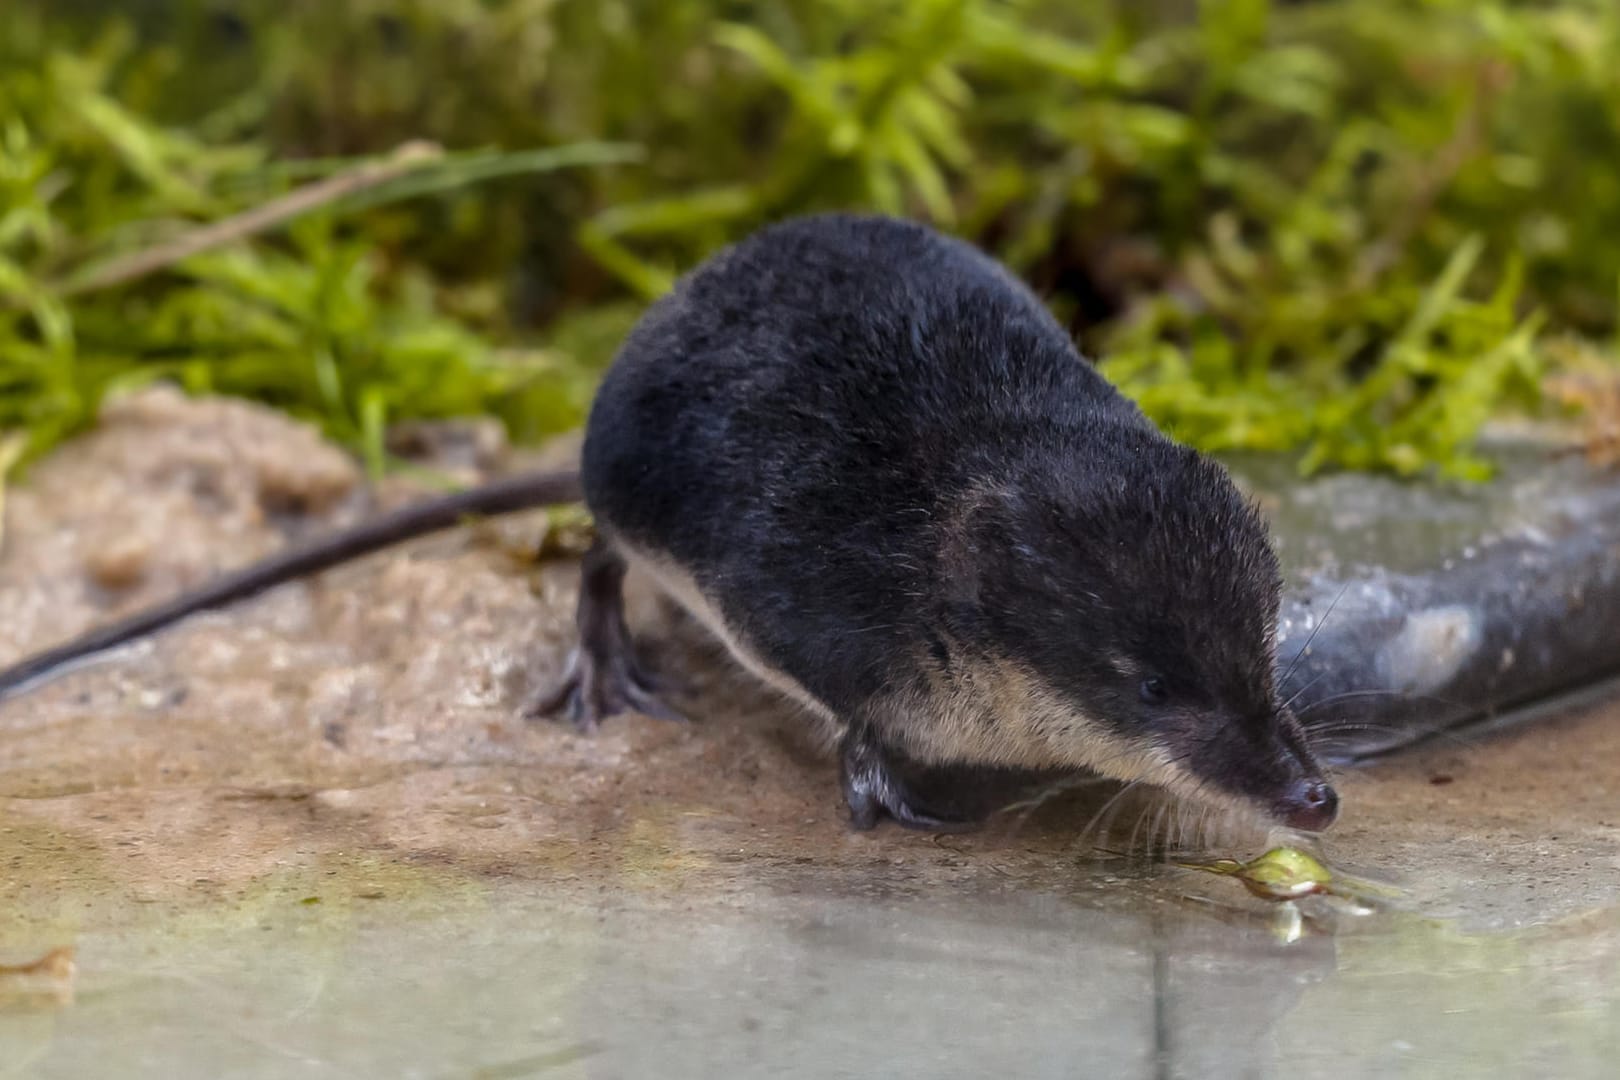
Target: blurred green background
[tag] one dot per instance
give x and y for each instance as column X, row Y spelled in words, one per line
column 1352, row 229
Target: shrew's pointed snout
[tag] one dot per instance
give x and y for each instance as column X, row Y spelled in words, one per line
column 1310, row 805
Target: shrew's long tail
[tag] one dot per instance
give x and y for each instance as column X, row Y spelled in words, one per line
column 503, row 496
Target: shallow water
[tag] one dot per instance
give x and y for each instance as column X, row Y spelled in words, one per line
column 505, row 982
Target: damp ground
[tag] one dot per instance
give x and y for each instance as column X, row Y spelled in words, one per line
column 314, row 836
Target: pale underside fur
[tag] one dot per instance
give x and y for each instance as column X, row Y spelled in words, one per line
column 988, row 713
column 675, row 582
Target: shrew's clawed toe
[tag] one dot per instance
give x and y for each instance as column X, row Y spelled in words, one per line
column 604, row 677
column 872, row 788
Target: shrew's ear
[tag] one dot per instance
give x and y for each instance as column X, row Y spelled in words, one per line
column 983, row 536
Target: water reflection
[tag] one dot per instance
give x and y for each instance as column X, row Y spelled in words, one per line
column 767, row 982
column 760, row 985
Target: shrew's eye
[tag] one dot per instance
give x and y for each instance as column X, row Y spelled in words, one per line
column 1153, row 690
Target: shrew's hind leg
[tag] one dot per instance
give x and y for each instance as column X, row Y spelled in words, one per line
column 604, row 676
column 872, row 786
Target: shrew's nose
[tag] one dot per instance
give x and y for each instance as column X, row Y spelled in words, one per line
column 1311, row 805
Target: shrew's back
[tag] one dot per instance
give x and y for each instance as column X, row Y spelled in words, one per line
column 793, row 422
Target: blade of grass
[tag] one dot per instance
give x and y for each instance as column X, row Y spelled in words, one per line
column 453, row 172
column 11, row 452
column 124, row 269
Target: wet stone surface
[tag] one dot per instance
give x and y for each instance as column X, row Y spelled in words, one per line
column 313, row 834
column 1415, row 609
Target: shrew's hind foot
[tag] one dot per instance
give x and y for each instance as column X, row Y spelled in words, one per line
column 604, row 677
column 872, row 787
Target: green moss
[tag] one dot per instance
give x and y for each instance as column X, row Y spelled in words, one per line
column 1346, row 228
